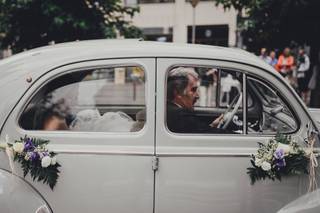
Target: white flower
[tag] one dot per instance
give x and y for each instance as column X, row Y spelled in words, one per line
column 258, row 162
column 53, row 161
column 18, row 147
column 285, row 147
column 45, row 161
column 27, row 156
column 269, row 155
column 40, row 155
column 266, row 166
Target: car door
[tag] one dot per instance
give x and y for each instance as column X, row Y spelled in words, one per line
column 106, row 152
column 206, row 172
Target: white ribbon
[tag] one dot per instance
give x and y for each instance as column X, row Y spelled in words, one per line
column 9, row 152
column 312, row 165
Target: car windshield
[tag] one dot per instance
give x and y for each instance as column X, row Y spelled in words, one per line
column 269, row 96
column 275, row 115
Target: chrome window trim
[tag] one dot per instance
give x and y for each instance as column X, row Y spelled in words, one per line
column 244, row 72
column 73, row 70
column 165, row 98
column 244, row 103
column 283, row 98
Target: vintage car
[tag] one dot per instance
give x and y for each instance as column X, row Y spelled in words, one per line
column 103, row 104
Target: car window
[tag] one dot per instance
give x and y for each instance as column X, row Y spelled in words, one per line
column 218, row 87
column 106, row 99
column 204, row 100
column 271, row 113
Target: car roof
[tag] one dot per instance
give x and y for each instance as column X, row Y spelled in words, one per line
column 36, row 62
column 71, row 52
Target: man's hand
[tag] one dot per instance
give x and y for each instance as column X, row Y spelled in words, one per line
column 217, row 121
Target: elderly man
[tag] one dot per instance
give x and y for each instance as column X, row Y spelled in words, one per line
column 182, row 94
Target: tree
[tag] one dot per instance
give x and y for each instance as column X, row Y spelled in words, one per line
column 280, row 23
column 275, row 23
column 27, row 24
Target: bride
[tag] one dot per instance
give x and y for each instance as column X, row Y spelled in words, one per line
column 90, row 120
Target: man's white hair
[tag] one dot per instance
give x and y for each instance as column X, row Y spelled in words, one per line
column 184, row 71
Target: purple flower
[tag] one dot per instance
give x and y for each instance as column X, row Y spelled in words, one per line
column 279, row 154
column 34, row 156
column 28, row 146
column 280, row 163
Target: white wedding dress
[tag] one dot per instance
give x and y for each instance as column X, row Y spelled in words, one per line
column 90, row 120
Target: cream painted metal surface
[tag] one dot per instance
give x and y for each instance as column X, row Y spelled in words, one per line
column 315, row 113
column 35, row 63
column 17, row 196
column 111, row 172
column 207, row 173
column 100, row 171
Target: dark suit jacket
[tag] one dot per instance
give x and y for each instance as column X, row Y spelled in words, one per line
column 181, row 120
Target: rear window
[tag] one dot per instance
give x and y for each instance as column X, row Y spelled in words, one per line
column 106, row 99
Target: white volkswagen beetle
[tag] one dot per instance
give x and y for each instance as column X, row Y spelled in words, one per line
column 105, row 107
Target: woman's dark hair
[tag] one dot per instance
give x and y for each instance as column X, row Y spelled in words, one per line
column 36, row 115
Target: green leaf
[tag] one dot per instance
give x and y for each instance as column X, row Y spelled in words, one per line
column 34, row 23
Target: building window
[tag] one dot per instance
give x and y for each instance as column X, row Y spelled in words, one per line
column 217, row 35
column 158, row 34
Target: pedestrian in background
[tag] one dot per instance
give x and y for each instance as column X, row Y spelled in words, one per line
column 313, row 86
column 273, row 58
column 303, row 75
column 264, row 55
column 285, row 66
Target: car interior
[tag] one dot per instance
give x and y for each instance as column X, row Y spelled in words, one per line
column 118, row 95
column 267, row 112
column 93, row 93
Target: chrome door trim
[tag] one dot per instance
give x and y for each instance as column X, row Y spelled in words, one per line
column 205, row 155
column 74, row 152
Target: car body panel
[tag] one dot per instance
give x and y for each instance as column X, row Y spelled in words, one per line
column 16, row 196
column 34, row 63
column 99, row 170
column 116, row 172
column 315, row 113
column 218, row 161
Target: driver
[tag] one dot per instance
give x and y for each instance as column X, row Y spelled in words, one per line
column 182, row 94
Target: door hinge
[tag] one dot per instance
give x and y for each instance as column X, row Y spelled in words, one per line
column 155, row 163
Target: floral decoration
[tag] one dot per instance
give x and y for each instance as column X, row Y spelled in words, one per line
column 279, row 157
column 35, row 159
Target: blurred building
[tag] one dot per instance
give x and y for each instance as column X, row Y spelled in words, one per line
column 172, row 20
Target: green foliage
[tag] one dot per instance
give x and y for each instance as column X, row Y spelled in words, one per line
column 33, row 164
column 47, row 175
column 256, row 173
column 27, row 24
column 284, row 139
column 35, row 141
column 292, row 161
column 238, row 4
column 275, row 24
column 296, row 164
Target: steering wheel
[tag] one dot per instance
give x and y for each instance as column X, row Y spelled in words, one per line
column 230, row 112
